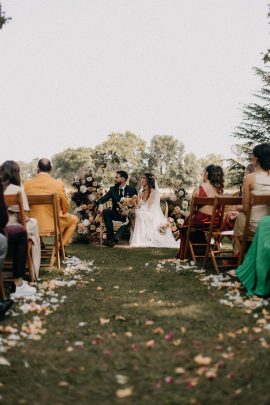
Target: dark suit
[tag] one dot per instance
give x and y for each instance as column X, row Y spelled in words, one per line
column 113, row 214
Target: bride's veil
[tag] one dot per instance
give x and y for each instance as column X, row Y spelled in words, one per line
column 159, row 217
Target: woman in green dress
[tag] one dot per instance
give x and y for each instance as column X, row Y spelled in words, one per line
column 254, row 273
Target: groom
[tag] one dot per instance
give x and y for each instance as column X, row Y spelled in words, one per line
column 115, row 193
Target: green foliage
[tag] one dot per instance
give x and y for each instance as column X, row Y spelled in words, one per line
column 236, row 172
column 165, row 159
column 70, row 162
column 164, row 152
column 28, row 170
column 3, row 19
column 254, row 129
column 121, row 151
column 192, row 170
column 255, row 125
column 211, row 159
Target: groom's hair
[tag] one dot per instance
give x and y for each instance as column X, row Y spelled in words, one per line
column 122, row 173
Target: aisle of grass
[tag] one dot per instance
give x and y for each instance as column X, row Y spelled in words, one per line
column 158, row 323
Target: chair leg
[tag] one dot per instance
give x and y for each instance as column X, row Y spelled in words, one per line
column 214, row 261
column 207, row 251
column 192, row 252
column 52, row 261
column 187, row 244
column 57, row 252
column 2, row 288
column 62, row 247
column 58, row 262
column 32, row 275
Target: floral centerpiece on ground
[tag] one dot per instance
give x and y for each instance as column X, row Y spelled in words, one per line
column 88, row 188
column 178, row 212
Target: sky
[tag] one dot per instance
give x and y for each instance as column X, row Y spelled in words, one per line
column 72, row 72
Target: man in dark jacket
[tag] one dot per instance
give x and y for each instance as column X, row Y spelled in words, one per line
column 116, row 193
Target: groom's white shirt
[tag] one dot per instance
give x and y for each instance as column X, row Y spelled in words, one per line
column 122, row 188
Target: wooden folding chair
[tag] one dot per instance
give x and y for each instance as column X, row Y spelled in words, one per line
column 217, row 254
column 256, row 199
column 6, row 275
column 196, row 203
column 50, row 250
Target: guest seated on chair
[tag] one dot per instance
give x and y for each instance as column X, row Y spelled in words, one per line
column 10, row 174
column 17, row 241
column 259, row 182
column 42, row 184
column 213, row 185
column 4, row 305
column 232, row 214
column 254, row 273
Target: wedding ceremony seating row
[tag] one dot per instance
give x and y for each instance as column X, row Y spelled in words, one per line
column 214, row 234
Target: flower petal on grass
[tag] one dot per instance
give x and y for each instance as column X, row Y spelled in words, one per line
column 202, row 360
column 103, row 321
column 124, row 393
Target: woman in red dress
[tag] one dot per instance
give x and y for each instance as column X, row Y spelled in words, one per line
column 213, row 185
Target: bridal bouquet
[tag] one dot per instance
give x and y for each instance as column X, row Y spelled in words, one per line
column 88, row 188
column 128, row 205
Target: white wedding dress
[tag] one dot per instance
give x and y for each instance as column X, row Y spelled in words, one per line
column 148, row 220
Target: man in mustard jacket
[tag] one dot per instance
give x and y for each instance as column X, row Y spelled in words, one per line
column 42, row 184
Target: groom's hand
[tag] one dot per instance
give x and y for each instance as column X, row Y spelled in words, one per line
column 99, row 209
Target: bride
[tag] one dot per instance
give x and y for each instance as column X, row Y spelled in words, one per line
column 149, row 218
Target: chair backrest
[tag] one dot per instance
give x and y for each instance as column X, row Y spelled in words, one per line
column 197, row 202
column 255, row 199
column 16, row 200
column 260, row 199
column 226, row 201
column 50, row 200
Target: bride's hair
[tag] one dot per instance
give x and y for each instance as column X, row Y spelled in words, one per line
column 151, row 182
column 215, row 175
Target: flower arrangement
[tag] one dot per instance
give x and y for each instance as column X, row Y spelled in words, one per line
column 128, row 206
column 88, row 189
column 179, row 212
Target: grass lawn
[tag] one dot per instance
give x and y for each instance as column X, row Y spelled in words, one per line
column 159, row 321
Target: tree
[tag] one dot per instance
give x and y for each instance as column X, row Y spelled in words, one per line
column 125, row 151
column 192, row 172
column 211, row 159
column 165, row 157
column 71, row 162
column 255, row 125
column 28, row 170
column 3, row 18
